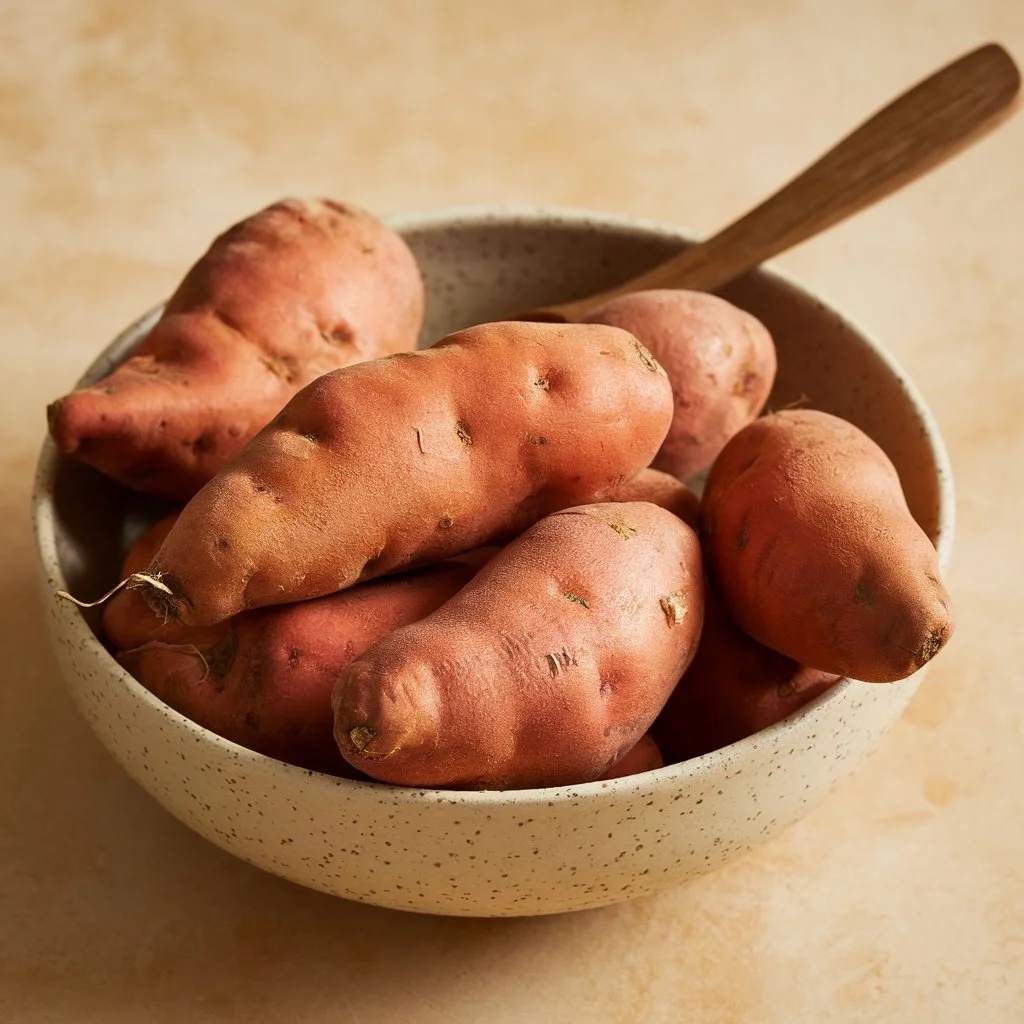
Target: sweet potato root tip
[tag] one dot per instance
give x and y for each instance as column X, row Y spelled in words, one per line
column 361, row 737
column 100, row 600
column 160, row 597
column 360, row 740
column 933, row 644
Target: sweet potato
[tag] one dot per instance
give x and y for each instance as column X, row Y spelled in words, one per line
column 660, row 489
column 807, row 533
column 404, row 461
column 265, row 681
column 288, row 294
column 128, row 621
column 644, row 757
column 719, row 359
column 733, row 688
column 544, row 670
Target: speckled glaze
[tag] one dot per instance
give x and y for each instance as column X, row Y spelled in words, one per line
column 527, row 852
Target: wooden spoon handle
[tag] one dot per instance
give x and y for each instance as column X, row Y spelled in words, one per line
column 924, row 126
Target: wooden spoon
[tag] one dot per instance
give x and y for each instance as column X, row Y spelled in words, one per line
column 920, row 129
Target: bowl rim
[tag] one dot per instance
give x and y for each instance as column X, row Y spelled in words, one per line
column 478, row 215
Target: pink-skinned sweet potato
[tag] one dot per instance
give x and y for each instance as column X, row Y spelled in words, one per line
column 544, row 670
column 264, row 678
column 719, row 359
column 296, row 290
column 808, row 536
column 733, row 688
column 408, row 460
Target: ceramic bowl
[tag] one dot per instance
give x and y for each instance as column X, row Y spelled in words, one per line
column 492, row 853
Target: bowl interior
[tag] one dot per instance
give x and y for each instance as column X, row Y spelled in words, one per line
column 487, row 266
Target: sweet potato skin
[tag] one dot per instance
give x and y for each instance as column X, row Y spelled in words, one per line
column 720, row 360
column 733, row 688
column 660, row 489
column 264, row 679
column 643, row 757
column 808, row 535
column 128, row 620
column 294, row 291
column 544, row 670
column 405, row 461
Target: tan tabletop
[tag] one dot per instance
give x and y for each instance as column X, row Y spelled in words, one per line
column 131, row 135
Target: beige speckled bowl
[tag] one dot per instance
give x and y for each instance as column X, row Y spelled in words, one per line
column 527, row 852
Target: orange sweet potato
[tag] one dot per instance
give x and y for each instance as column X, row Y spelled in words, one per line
column 545, row 669
column 720, row 360
column 733, row 688
column 288, row 294
column 807, row 533
column 408, row 460
column 264, row 680
column 644, row 757
column 660, row 489
column 128, row 621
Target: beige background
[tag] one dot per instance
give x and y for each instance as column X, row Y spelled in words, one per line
column 130, row 135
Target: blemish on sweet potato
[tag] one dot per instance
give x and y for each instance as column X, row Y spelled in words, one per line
column 646, row 358
column 277, row 368
column 559, row 661
column 675, row 607
column 463, row 434
column 339, row 334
